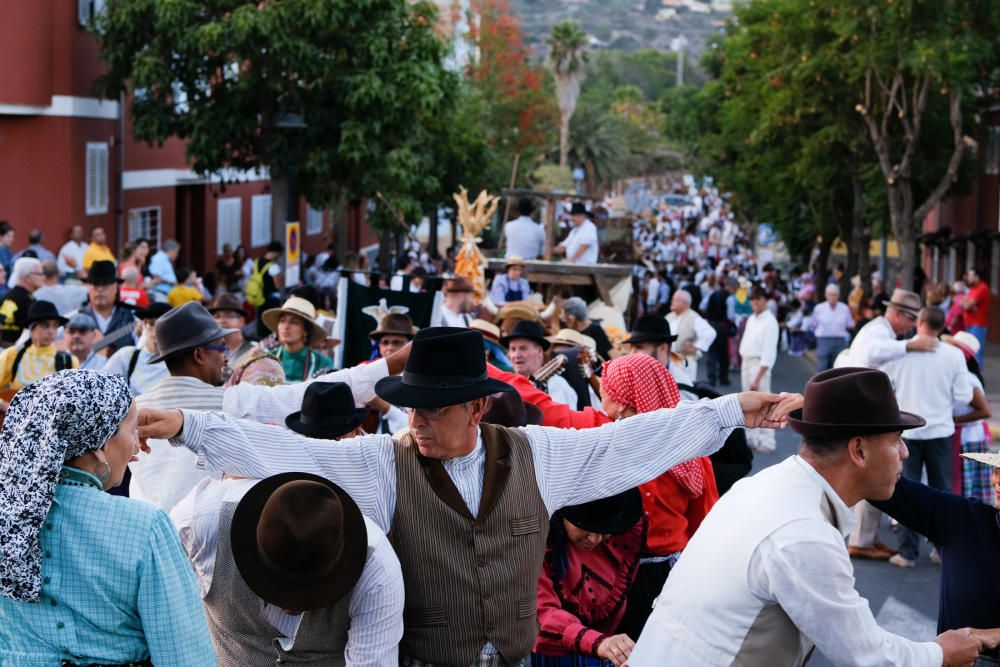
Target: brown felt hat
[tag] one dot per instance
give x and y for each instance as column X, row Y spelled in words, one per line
column 458, row 284
column 395, row 324
column 847, row 402
column 227, row 302
column 299, row 541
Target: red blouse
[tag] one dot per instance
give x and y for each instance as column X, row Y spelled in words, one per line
column 579, row 610
column 673, row 514
column 554, row 414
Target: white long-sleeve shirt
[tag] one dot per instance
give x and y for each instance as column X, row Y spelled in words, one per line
column 929, row 384
column 875, row 345
column 376, row 605
column 760, row 339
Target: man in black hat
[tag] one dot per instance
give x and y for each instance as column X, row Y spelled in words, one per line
column 114, row 320
column 773, row 549
column 651, row 335
column 581, row 243
column 526, row 346
column 288, row 567
column 468, row 503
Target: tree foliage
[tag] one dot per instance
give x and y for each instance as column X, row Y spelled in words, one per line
column 567, row 57
column 222, row 74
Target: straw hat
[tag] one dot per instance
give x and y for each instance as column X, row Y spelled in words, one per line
column 296, row 305
column 989, row 458
column 904, row 300
column 513, row 260
column 573, row 338
column 489, row 330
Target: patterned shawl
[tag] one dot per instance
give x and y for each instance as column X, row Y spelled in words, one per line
column 57, row 418
column 641, row 382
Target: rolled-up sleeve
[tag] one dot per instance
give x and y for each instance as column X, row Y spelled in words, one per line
column 270, row 405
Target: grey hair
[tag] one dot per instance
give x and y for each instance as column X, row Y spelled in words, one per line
column 576, row 307
column 832, row 287
column 24, row 267
column 683, row 295
column 170, row 244
column 131, row 275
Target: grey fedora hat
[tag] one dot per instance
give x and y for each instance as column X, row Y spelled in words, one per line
column 185, row 328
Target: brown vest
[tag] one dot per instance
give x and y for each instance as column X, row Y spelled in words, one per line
column 469, row 579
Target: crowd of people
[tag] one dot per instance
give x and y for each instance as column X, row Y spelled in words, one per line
column 189, row 479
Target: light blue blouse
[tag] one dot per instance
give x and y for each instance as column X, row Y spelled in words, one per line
column 116, row 587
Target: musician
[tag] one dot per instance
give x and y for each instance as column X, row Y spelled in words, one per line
column 526, row 346
column 114, row 320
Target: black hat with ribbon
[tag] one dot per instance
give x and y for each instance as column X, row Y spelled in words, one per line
column 327, row 412
column 446, row 366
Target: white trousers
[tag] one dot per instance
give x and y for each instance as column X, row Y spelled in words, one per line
column 760, row 439
column 865, row 533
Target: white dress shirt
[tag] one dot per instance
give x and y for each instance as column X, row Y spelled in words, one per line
column 561, row 391
column 524, row 237
column 584, row 234
column 450, row 318
column 930, row 384
column 830, row 322
column 760, row 339
column 704, row 333
column 874, row 346
column 144, row 376
column 74, row 249
column 376, row 606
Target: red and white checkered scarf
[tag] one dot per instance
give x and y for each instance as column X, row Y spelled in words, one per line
column 639, row 381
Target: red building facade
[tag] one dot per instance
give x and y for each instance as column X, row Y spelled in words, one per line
column 68, row 158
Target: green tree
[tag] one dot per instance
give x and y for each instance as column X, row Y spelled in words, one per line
column 228, row 76
column 567, row 58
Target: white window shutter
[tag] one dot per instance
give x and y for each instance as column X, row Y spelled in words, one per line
column 96, row 178
column 229, row 212
column 260, row 220
column 314, row 220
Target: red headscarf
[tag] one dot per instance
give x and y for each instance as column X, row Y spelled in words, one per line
column 639, row 381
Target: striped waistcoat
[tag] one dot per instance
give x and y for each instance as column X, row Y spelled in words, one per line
column 469, row 579
column 240, row 631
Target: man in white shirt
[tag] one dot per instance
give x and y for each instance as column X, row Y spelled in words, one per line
column 70, row 260
column 459, row 298
column 260, row 618
column 526, row 346
column 767, row 577
column 874, row 346
column 581, row 244
column 832, row 323
column 929, row 384
column 759, row 350
column 523, row 236
column 694, row 334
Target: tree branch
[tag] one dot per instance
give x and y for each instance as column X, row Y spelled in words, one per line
column 950, row 175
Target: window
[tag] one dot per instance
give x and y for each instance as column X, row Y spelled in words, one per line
column 314, row 220
column 144, row 223
column 86, row 10
column 230, row 229
column 260, row 220
column 97, row 178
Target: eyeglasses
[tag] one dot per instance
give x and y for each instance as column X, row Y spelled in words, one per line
column 217, row 348
column 429, row 414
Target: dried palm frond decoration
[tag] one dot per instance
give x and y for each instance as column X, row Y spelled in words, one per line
column 473, row 217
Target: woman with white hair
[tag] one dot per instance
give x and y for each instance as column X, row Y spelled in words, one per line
column 26, row 277
column 832, row 323
column 575, row 317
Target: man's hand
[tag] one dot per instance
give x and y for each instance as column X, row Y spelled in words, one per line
column 397, row 360
column 616, row 649
column 960, row 647
column 378, row 405
column 162, row 424
column 990, row 638
column 921, row 343
column 768, row 410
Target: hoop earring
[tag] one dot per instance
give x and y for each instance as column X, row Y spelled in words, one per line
column 104, row 475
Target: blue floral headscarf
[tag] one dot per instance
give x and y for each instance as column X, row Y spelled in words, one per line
column 57, row 418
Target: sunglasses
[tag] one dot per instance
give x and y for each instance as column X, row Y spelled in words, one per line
column 429, row 414
column 217, row 348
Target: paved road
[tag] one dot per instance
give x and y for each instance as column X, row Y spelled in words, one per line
column 904, row 601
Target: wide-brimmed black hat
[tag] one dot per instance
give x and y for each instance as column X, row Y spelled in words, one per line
column 509, row 409
column 527, row 329
column 608, row 516
column 185, row 328
column 650, row 329
column 578, row 209
column 327, row 412
column 446, row 366
column 42, row 311
column 153, row 311
column 102, row 272
column 847, row 402
column 299, row 541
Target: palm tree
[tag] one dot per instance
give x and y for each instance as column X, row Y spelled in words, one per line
column 598, row 142
column 567, row 59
